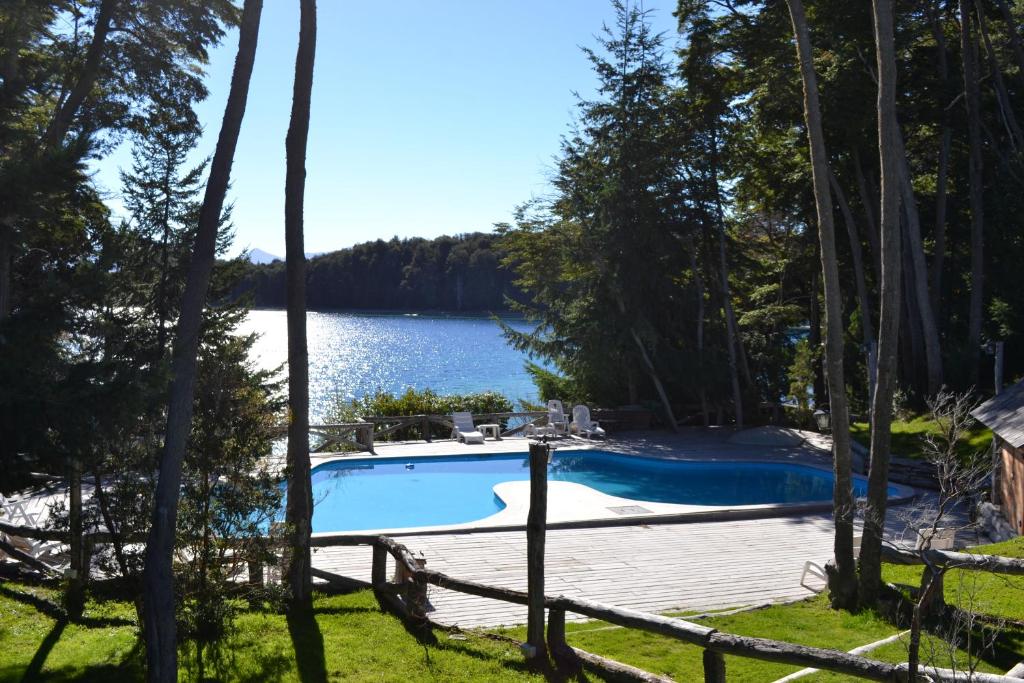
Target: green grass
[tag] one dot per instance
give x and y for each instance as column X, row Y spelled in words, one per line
column 810, row 623
column 907, row 436
column 352, row 640
column 359, row 643
column 992, row 594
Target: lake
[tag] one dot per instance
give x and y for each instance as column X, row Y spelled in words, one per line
column 353, row 354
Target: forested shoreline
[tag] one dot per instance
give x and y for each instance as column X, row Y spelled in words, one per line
column 461, row 273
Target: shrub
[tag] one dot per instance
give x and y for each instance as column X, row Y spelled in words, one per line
column 422, row 402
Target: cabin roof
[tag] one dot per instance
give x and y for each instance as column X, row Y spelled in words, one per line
column 1004, row 414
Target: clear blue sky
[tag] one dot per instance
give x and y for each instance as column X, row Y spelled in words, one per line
column 428, row 118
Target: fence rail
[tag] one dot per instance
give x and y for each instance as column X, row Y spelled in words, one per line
column 412, row 591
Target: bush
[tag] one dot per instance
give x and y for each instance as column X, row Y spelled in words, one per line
column 424, row 402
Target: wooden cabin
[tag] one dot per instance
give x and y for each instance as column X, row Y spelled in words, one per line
column 1004, row 415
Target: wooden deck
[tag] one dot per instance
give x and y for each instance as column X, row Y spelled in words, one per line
column 657, row 568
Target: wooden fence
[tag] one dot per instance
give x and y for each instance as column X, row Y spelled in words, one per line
column 408, row 597
column 412, row 579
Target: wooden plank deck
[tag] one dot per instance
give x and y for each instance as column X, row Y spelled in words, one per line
column 657, row 568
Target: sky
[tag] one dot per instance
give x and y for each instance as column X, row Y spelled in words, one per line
column 428, row 118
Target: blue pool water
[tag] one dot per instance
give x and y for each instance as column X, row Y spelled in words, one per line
column 377, row 493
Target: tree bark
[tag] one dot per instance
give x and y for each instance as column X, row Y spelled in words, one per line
column 889, row 305
column 649, row 364
column 75, row 592
column 868, row 200
column 65, row 114
column 1002, row 96
column 843, row 586
column 1015, row 41
column 942, row 171
column 857, row 255
column 299, row 513
column 158, row 579
column 919, row 272
column 972, row 100
column 737, row 357
column 698, row 282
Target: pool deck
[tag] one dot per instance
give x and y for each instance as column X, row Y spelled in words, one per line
column 697, row 565
column 702, row 566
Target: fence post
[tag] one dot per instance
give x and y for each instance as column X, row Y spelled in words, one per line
column 536, row 524
column 425, row 427
column 379, row 574
column 714, row 667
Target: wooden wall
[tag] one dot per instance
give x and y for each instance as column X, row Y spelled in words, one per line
column 1011, row 485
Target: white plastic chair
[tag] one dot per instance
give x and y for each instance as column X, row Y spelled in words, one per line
column 464, row 430
column 558, row 421
column 816, row 570
column 582, row 424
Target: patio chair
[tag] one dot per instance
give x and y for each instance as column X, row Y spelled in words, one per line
column 464, row 430
column 13, row 511
column 558, row 421
column 582, row 424
column 816, row 570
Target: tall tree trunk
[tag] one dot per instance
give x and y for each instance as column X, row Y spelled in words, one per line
column 919, row 273
column 75, row 593
column 65, row 114
column 698, row 282
column 869, row 200
column 658, row 386
column 158, row 580
column 889, row 306
column 942, row 171
column 843, row 583
column 299, row 513
column 972, row 99
column 1002, row 96
column 6, row 266
column 857, row 255
column 814, row 334
column 1015, row 41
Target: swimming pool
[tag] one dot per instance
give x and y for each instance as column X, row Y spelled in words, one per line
column 390, row 493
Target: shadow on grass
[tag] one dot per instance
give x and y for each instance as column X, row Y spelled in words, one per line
column 57, row 613
column 35, row 667
column 308, row 643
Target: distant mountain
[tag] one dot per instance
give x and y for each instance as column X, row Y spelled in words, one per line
column 259, row 256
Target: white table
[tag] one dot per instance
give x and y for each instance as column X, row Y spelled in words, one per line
column 493, row 429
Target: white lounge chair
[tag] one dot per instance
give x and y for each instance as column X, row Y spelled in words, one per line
column 582, row 424
column 558, row 421
column 14, row 511
column 464, row 430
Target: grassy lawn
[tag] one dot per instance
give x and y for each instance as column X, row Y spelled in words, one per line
column 999, row 596
column 807, row 623
column 359, row 643
column 352, row 640
column 907, row 435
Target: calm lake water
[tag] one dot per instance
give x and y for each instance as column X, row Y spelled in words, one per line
column 353, row 354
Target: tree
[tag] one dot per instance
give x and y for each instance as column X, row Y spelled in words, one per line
column 612, row 227
column 842, row 583
column 160, row 629
column 972, row 102
column 889, row 307
column 300, row 493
